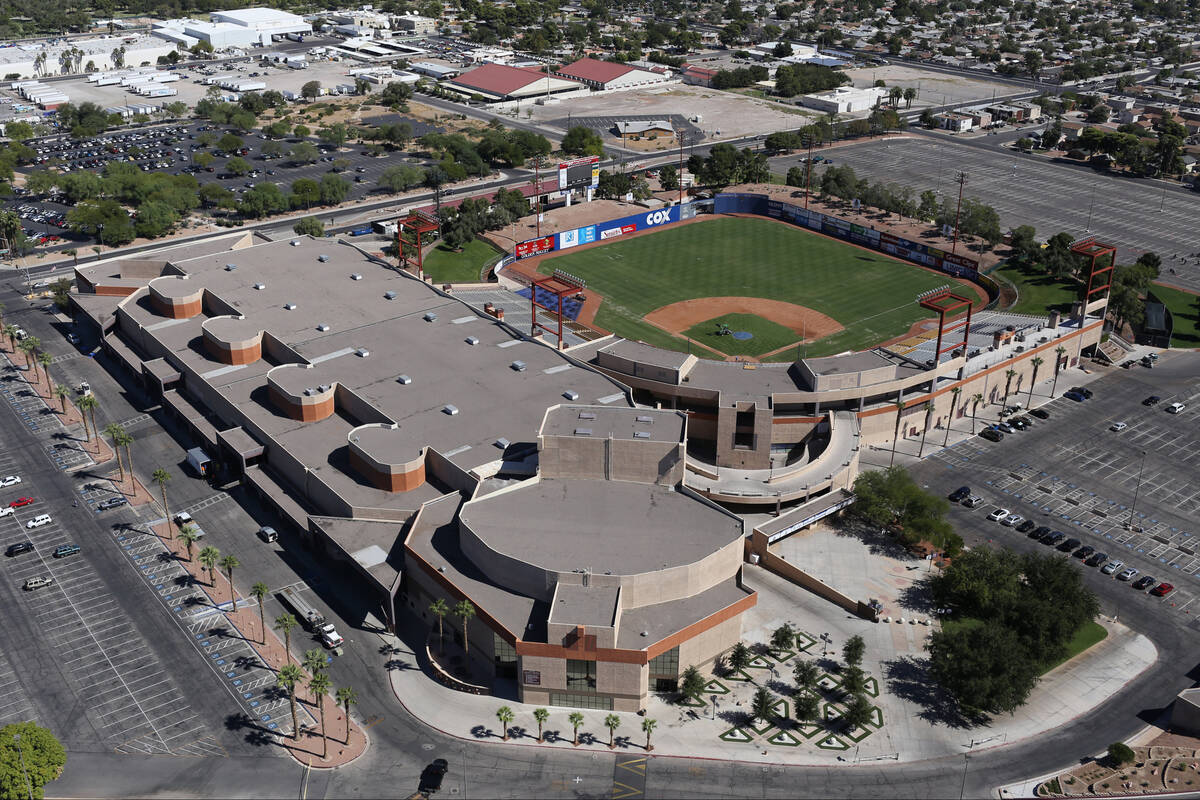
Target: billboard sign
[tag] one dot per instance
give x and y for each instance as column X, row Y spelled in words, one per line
column 617, row 230
column 534, row 247
column 584, row 235
column 582, row 173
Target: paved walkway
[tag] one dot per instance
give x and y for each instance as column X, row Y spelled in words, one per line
column 1069, row 691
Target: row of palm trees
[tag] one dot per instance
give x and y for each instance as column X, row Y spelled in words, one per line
column 292, row 675
column 611, row 721
column 976, row 400
column 463, row 609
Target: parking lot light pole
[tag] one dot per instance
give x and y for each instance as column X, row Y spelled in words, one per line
column 1136, row 489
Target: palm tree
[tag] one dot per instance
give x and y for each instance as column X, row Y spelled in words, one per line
column 1009, row 374
column 45, row 359
column 10, row 331
column 439, row 609
column 188, row 536
column 576, row 719
column 33, row 345
column 648, row 726
column 1059, row 351
column 910, row 94
column 229, row 563
column 318, row 684
column 161, row 477
column 113, row 431
column 62, row 393
column 26, row 348
column 894, row 95
column 209, row 556
column 925, row 427
column 313, row 661
column 612, row 722
column 899, row 407
column 124, row 439
column 976, row 399
column 285, row 623
column 259, row 592
column 74, row 254
column 347, row 697
column 541, row 715
column 1036, row 362
column 954, row 393
column 505, row 715
column 290, row 675
column 465, row 610
column 87, row 405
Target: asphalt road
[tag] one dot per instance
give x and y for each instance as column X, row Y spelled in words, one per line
column 1051, row 196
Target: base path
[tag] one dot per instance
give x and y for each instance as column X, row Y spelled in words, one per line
column 808, row 325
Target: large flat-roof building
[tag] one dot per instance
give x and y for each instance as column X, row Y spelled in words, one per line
column 607, row 75
column 844, row 99
column 502, row 82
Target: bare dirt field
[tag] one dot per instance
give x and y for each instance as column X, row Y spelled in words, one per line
column 934, row 88
column 804, row 322
column 733, row 115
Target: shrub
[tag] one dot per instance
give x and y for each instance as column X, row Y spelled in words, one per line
column 1120, row 753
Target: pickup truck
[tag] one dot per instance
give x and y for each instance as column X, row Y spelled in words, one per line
column 184, row 518
column 329, row 636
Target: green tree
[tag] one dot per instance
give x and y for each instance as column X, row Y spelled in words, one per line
column 852, row 651
column 346, row 697
column 648, row 726
column 310, row 226
column 985, row 668
column 304, row 152
column 228, row 564
column 214, row 195
column 612, row 722
column 237, row 166
column 187, row 535
column 505, row 715
column 161, row 478
column 691, row 684
column 313, row 661
column 540, row 715
column 760, row 704
column 858, row 712
column 302, row 131
column 155, row 219
column 259, row 592
column 285, row 623
column 1118, row 752
column 230, row 143
column 581, row 141
column 288, row 677
column 124, row 439
column 854, row 680
column 400, row 177
column 310, row 90
column 334, row 189
column 464, row 610
column 62, row 393
column 439, row 609
column 335, row 134
column 263, row 200
column 807, row 706
column 319, row 684
column 305, row 193
column 209, row 557
column 783, row 638
column 739, row 657
column 113, row 431
column 806, row 675
column 30, row 757
column 576, row 719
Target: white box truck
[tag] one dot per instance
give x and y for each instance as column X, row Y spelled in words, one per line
column 198, row 460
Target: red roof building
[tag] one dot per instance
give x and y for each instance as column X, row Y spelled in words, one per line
column 608, row 74
column 502, row 82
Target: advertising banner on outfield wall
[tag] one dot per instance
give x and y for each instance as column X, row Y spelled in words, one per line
column 534, row 247
column 743, row 203
column 604, row 230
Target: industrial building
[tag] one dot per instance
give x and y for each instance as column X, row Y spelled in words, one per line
column 607, row 75
column 844, row 99
column 30, row 60
column 245, row 27
column 501, row 82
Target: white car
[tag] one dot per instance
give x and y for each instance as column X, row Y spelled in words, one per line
column 998, row 514
column 1118, row 427
column 1012, row 520
column 39, row 521
column 1128, row 574
column 1175, row 408
column 7, row 511
column 1111, row 567
column 10, row 480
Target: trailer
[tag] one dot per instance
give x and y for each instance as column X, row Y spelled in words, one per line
column 158, row 91
column 164, row 77
column 305, row 611
column 198, row 460
column 364, row 231
column 296, row 37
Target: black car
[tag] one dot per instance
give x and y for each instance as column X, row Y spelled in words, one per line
column 1026, row 526
column 1152, row 400
column 1085, row 552
column 431, row 776
column 1040, row 532
column 1053, row 538
column 112, row 502
column 1145, row 582
column 960, row 494
column 1069, row 545
column 1039, row 413
column 1083, row 390
column 991, row 434
column 1096, row 559
column 1020, row 423
column 18, row 548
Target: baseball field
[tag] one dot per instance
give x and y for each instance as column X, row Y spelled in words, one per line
column 733, row 286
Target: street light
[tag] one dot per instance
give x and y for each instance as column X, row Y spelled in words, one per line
column 1136, row 489
column 25, row 772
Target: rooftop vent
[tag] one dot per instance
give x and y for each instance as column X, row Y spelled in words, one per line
column 230, row 267
column 295, row 242
column 362, row 352
column 260, row 286
column 587, row 415
column 583, row 431
column 472, row 340
column 355, row 276
column 641, row 434
column 647, row 420
column 322, row 327
column 290, row 306
column 389, row 295
column 324, row 387
column 322, row 258
column 518, row 365
column 451, row 410
column 430, row 317
column 310, row 391
column 404, row 379
column 571, row 394
column 502, row 443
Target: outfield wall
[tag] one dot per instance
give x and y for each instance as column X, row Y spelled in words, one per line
column 613, row 228
column 763, row 206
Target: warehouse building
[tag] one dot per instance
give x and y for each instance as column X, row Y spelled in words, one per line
column 606, row 75
column 501, row 82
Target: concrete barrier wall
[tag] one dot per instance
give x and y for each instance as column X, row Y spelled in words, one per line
column 757, row 545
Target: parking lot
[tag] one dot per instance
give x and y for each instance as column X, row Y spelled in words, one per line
column 1073, row 474
column 1029, row 190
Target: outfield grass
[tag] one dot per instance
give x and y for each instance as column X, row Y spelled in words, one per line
column 1185, row 315
column 871, row 295
column 768, row 335
column 446, row 266
column 1037, row 292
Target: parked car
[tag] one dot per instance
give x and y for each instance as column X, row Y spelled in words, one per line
column 1083, row 390
column 1128, row 574
column 268, row 534
column 64, row 550
column 998, row 514
column 1111, row 567
column 432, row 776
column 960, row 494
column 1021, row 423
column 1069, row 545
column 1005, row 427
column 10, row 480
column 1039, row 532
column 991, row 434
column 1175, row 408
column 1096, row 559
column 1026, row 526
column 973, row 501
column 1118, row 427
column 38, row 521
column 18, row 548
column 1076, row 396
column 1152, row 400
column 1012, row 520
column 112, row 502
column 1085, row 552
column 1053, row 538
column 38, row 582
column 1040, row 413
column 1162, row 590
column 1144, row 582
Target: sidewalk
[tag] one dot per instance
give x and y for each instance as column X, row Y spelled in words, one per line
column 1072, row 689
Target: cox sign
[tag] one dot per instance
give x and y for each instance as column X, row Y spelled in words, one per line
column 662, row 216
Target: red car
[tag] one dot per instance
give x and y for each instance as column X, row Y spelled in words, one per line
column 1162, row 590
column 20, row 501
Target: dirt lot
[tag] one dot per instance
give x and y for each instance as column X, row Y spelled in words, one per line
column 934, row 88
column 723, row 115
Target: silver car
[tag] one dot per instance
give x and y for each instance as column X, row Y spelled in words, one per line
column 1111, row 567
column 1128, row 574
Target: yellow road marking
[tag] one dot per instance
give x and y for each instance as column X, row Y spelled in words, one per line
column 637, row 765
column 621, row 790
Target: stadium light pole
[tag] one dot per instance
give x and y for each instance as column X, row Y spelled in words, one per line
column 808, row 176
column 961, row 180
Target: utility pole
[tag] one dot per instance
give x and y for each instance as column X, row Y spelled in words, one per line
column 808, row 176
column 681, row 134
column 537, row 193
column 961, row 179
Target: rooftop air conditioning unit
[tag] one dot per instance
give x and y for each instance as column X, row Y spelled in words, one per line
column 641, row 434
column 571, row 394
column 362, row 352
column 310, row 391
column 322, row 258
column 404, row 379
column 290, row 306
column 324, row 387
column 354, row 276
column 260, row 286
column 389, row 295
column 322, row 327
column 583, row 431
column 472, row 340
column 645, row 419
column 451, row 410
column 430, row 317
column 587, row 415
column 230, row 267
column 502, row 443
column 518, row 365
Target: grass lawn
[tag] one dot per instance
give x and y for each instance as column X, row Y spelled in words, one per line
column 739, row 257
column 446, row 266
column 767, row 335
column 1185, row 315
column 1090, row 634
column 1037, row 292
